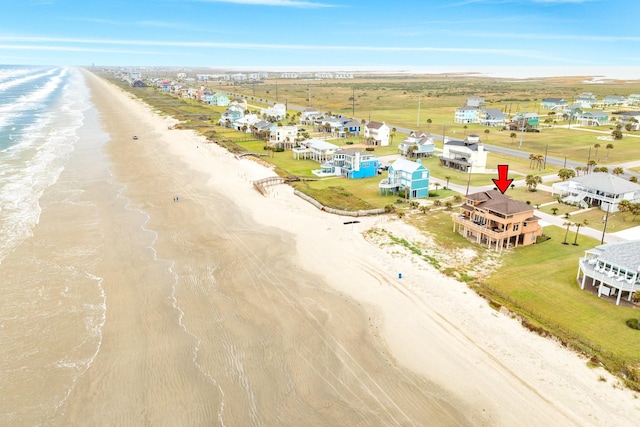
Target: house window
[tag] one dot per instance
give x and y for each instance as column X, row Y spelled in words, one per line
column 516, row 227
column 424, row 175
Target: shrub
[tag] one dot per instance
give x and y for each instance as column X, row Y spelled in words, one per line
column 349, row 143
column 633, row 324
column 369, row 148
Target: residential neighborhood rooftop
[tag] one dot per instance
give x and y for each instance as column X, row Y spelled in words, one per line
column 499, row 202
column 606, row 182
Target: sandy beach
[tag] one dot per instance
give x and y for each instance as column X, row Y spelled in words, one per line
column 230, row 308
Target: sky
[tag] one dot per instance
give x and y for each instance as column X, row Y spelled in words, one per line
column 324, row 34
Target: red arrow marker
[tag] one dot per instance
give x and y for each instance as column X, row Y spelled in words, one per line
column 502, row 182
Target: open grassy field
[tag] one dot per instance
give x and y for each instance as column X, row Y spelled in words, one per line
column 395, row 101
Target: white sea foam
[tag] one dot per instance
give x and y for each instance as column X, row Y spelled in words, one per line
column 36, row 160
column 6, row 84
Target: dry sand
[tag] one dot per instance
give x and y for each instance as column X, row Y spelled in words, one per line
column 279, row 314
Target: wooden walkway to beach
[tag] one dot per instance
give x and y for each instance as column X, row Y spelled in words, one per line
column 272, row 180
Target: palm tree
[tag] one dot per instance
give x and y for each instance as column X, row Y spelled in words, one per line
column 447, row 178
column 532, row 182
column 591, row 165
column 609, row 147
column 486, row 132
column 532, row 158
column 465, row 127
column 618, row 171
column 429, row 121
column 393, row 133
column 540, row 160
column 565, row 174
column 596, row 146
column 624, row 206
column 568, row 224
column 633, row 179
column 436, row 184
column 578, row 225
column 513, row 136
column 635, row 210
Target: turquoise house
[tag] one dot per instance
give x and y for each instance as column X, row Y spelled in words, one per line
column 408, row 176
column 217, row 99
column 466, row 114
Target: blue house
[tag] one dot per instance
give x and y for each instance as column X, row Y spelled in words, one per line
column 355, row 164
column 466, row 114
column 408, row 176
column 353, row 126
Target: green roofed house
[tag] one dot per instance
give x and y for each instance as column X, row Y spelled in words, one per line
column 614, row 269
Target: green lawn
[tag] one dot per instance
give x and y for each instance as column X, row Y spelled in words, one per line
column 615, row 222
column 553, row 297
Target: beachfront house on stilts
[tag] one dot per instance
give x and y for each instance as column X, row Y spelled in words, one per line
column 613, row 268
column 493, row 219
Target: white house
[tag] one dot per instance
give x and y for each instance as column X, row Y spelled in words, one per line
column 475, row 101
column 284, row 136
column 418, row 144
column 278, row 112
column 467, row 156
column 629, row 117
column 613, row 268
column 310, row 115
column 245, row 123
column 315, row 149
column 377, row 133
column 600, row 189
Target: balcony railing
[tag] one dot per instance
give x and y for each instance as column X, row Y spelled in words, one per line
column 618, row 281
column 494, row 232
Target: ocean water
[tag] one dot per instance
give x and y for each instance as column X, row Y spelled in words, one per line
column 53, row 306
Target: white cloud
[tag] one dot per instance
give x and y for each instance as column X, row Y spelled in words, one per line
column 283, row 3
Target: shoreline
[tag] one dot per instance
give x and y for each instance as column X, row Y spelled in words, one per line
column 484, row 360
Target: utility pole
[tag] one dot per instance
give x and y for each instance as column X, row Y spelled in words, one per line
column 353, row 102
column 606, row 218
column 522, row 131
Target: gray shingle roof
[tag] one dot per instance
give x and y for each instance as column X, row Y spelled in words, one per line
column 608, row 183
column 623, row 254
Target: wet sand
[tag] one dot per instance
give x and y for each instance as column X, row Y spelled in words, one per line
column 230, row 308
